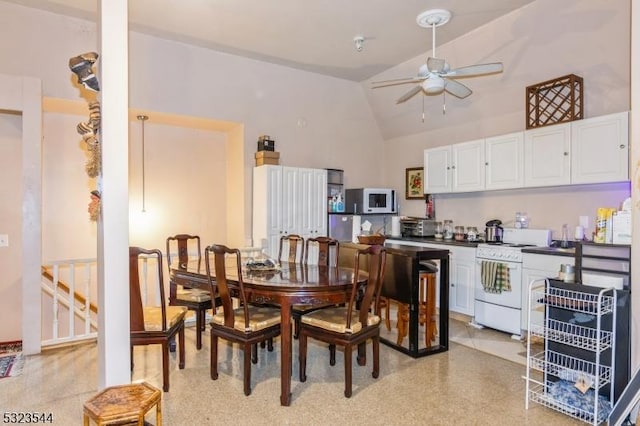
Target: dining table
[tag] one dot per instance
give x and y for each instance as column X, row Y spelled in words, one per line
column 287, row 285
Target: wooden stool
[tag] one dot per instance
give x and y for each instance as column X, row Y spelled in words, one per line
column 427, row 309
column 124, row 404
column 385, row 303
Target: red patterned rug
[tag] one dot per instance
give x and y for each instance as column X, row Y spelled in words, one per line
column 11, row 360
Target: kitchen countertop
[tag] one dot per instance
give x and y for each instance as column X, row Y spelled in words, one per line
column 432, row 240
column 554, row 251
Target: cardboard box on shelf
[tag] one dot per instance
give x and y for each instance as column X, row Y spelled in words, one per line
column 267, row 157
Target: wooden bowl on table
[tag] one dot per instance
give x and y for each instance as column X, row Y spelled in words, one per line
column 373, row 239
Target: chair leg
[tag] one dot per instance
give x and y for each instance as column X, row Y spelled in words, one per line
column 332, row 354
column 296, row 326
column 181, row 347
column 302, row 356
column 214, row 357
column 199, row 325
column 270, row 344
column 387, row 310
column 347, row 371
column 132, row 358
column 247, row 367
column 254, row 353
column 165, row 366
column 376, row 357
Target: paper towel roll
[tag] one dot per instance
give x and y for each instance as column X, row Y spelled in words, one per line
column 395, row 226
column 355, row 228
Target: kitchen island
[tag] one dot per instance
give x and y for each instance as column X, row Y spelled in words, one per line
column 401, row 284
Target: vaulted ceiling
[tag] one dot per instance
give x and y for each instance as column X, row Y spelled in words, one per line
column 313, row 35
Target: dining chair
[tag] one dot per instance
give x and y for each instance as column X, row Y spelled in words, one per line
column 325, row 257
column 295, row 245
column 247, row 325
column 152, row 324
column 349, row 325
column 194, row 299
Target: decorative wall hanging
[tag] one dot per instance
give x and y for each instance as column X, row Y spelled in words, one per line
column 82, row 67
column 94, row 205
column 555, row 101
column 414, row 183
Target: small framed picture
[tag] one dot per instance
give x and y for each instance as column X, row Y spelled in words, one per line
column 414, row 184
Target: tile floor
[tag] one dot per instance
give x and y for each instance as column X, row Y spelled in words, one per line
column 462, row 386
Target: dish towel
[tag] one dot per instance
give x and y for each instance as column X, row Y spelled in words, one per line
column 494, row 277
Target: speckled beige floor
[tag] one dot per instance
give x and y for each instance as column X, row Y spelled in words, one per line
column 461, row 386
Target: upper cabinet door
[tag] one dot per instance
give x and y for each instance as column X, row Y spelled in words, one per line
column 600, row 149
column 547, row 152
column 290, row 202
column 313, row 196
column 437, row 170
column 504, row 160
column 468, row 166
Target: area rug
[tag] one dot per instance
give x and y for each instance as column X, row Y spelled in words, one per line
column 10, row 347
column 11, row 365
column 11, row 360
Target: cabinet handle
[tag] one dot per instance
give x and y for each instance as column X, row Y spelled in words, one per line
column 453, row 167
column 486, row 164
column 566, row 154
column 453, row 285
column 622, row 146
column 448, row 168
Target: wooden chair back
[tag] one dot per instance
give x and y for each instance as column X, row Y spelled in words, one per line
column 324, row 250
column 218, row 281
column 376, row 257
column 294, row 243
column 184, row 242
column 136, row 301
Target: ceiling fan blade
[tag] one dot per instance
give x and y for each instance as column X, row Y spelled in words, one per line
column 474, row 70
column 456, row 88
column 409, row 94
column 385, row 83
column 435, row 64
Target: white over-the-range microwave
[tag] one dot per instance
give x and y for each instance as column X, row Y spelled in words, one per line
column 370, row 200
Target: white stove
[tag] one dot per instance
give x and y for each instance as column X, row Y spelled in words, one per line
column 500, row 308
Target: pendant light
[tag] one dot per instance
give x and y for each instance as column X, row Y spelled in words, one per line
column 143, row 118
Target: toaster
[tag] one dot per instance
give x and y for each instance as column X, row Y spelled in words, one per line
column 417, row 227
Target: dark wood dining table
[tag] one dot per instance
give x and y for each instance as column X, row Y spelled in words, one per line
column 291, row 284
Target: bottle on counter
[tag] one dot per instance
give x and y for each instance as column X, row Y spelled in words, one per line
column 447, row 230
column 472, row 233
column 459, row 233
column 439, row 232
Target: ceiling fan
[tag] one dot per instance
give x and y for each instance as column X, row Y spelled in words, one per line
column 435, row 76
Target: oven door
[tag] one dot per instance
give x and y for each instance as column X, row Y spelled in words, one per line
column 500, row 311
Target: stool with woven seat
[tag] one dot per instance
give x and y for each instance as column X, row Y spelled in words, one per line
column 124, row 404
column 426, row 308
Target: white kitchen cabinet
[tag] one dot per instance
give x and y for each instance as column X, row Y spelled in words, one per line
column 313, row 201
column 547, row 152
column 437, row 170
column 288, row 200
column 538, row 267
column 462, row 275
column 455, row 168
column 600, row 149
column 504, row 161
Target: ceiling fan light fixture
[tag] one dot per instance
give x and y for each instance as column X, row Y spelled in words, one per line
column 433, row 86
